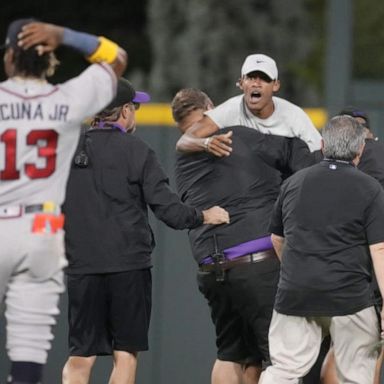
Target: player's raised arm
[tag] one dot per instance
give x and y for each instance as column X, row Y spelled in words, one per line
column 198, row 138
column 47, row 37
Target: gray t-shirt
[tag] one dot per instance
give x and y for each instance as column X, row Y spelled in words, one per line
column 287, row 120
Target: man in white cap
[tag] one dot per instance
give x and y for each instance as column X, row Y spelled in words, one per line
column 257, row 108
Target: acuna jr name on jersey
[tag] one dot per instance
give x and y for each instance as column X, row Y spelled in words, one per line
column 33, row 111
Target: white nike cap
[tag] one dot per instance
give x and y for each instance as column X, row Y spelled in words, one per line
column 262, row 63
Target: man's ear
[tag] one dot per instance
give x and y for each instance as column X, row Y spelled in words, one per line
column 125, row 109
column 361, row 150
column 356, row 160
column 322, row 146
column 9, row 55
column 8, row 59
column 276, row 85
column 239, row 83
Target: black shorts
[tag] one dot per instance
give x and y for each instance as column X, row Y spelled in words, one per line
column 241, row 310
column 109, row 312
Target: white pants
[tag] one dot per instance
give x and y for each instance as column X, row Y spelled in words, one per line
column 31, row 280
column 294, row 344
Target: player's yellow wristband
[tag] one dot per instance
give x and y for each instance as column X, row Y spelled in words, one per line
column 106, row 51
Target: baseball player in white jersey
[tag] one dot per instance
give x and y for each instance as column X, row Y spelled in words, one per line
column 39, row 130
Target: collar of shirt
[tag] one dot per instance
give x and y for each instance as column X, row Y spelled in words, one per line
column 107, row 124
column 334, row 163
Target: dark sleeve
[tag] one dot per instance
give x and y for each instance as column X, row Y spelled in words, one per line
column 288, row 155
column 183, row 175
column 276, row 223
column 299, row 155
column 372, row 160
column 375, row 218
column 273, row 150
column 164, row 203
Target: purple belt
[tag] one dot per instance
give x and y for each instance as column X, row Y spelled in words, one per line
column 253, row 246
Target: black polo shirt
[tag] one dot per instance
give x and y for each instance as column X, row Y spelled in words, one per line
column 246, row 183
column 372, row 160
column 328, row 213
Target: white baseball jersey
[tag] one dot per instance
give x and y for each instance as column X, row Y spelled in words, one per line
column 39, row 130
column 286, row 120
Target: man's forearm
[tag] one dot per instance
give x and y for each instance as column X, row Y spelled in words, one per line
column 278, row 245
column 201, row 136
column 191, row 143
column 218, row 145
column 377, row 254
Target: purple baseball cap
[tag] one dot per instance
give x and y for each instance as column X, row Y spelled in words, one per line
column 126, row 94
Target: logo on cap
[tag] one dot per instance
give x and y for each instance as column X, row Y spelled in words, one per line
column 262, row 63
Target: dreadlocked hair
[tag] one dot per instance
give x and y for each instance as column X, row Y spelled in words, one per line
column 29, row 63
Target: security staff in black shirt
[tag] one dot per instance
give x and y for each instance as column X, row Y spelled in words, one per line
column 371, row 163
column 372, row 160
column 115, row 177
column 327, row 229
column 238, row 270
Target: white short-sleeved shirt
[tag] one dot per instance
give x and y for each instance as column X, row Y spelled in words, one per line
column 287, row 120
column 39, row 130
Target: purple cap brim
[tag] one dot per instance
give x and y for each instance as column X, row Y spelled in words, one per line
column 141, row 97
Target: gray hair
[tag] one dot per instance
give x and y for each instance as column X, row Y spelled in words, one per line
column 343, row 138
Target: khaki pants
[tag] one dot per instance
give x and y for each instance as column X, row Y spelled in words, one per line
column 294, row 344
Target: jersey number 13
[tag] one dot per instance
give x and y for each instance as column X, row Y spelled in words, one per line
column 46, row 142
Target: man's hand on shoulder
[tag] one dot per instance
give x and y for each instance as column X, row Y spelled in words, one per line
column 219, row 145
column 199, row 138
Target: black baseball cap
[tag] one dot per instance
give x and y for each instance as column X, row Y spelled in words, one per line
column 126, row 94
column 355, row 112
column 13, row 31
